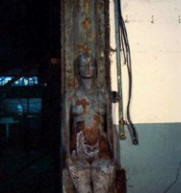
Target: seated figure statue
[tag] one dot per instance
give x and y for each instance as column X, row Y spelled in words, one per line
column 87, row 142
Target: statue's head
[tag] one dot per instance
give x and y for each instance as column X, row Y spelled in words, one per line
column 86, row 66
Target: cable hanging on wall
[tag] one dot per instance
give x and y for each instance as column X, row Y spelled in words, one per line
column 123, row 42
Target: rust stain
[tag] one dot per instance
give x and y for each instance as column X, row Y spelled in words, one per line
column 83, row 48
column 88, row 50
column 86, row 23
column 96, row 119
column 104, row 148
column 87, row 6
column 82, row 102
column 91, row 135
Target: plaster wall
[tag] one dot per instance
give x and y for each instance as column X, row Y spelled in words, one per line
column 154, row 28
column 154, row 164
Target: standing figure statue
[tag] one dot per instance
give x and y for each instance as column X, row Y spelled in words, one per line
column 89, row 165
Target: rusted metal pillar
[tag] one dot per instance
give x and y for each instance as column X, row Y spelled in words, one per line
column 84, row 28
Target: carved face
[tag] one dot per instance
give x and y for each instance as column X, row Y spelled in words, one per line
column 87, row 67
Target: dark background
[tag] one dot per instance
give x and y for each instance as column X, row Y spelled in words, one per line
column 29, row 31
column 30, row 46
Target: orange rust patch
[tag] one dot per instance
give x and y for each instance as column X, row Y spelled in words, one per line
column 91, row 135
column 81, row 47
column 96, row 119
column 82, row 102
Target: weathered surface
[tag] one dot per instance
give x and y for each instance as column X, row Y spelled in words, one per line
column 83, row 29
column 87, row 131
column 88, row 142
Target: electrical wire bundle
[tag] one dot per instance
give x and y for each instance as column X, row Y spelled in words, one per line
column 127, row 60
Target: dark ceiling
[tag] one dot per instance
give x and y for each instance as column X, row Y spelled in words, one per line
column 29, row 32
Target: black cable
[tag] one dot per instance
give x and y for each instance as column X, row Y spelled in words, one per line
column 127, row 60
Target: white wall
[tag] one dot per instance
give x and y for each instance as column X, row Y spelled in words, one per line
column 156, row 59
column 156, row 55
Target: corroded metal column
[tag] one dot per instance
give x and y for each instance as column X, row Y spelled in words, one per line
column 90, row 142
column 84, row 28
